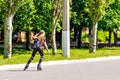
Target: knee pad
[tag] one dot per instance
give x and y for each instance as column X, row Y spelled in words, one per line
column 31, row 58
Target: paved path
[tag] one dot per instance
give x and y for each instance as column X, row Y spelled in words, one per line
column 91, row 69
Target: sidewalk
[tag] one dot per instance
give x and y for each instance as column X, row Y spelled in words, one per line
column 61, row 62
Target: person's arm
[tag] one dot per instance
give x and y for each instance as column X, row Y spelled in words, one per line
column 46, row 47
column 35, row 36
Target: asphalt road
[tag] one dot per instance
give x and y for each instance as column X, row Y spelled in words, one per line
column 96, row 70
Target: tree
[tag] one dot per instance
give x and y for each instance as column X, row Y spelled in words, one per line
column 10, row 7
column 113, row 13
column 24, row 20
column 56, row 14
column 79, row 17
column 96, row 10
column 48, row 14
column 111, row 21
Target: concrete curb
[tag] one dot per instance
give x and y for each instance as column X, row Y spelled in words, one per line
column 61, row 62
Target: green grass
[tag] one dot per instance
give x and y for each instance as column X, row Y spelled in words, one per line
column 21, row 56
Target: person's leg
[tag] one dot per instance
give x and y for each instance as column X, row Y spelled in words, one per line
column 40, row 60
column 31, row 58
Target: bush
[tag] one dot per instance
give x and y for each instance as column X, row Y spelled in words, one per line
column 85, row 37
column 102, row 36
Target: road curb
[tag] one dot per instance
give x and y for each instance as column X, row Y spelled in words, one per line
column 50, row 63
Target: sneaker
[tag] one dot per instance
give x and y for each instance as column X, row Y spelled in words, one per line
column 39, row 68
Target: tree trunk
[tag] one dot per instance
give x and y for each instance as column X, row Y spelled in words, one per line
column 75, row 34
column 2, row 34
column 56, row 11
column 93, row 37
column 80, row 37
column 115, row 39
column 54, row 48
column 8, row 36
column 53, row 36
column 109, row 41
column 28, row 46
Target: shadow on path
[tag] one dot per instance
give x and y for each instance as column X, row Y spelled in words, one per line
column 22, row 70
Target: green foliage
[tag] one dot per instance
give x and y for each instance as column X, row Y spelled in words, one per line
column 1, row 20
column 118, row 36
column 58, row 27
column 79, row 14
column 23, row 19
column 85, row 37
column 111, row 19
column 36, row 14
column 2, row 12
column 43, row 15
column 5, row 5
column 102, row 36
column 97, row 8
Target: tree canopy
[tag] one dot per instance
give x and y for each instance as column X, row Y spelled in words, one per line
column 34, row 15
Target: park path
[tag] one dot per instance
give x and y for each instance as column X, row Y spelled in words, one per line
column 98, row 69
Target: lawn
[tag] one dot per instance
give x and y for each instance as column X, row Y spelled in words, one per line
column 21, row 56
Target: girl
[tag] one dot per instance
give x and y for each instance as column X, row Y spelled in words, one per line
column 39, row 44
